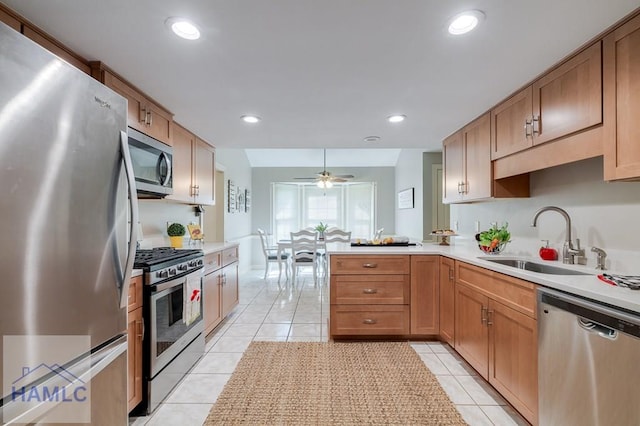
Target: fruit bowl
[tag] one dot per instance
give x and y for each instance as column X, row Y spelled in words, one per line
column 495, row 250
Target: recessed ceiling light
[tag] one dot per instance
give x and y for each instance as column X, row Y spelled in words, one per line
column 183, row 28
column 372, row 139
column 252, row 119
column 464, row 22
column 396, row 118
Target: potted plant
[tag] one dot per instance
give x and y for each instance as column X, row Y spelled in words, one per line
column 321, row 228
column 176, row 231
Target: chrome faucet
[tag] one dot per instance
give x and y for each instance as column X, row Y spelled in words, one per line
column 601, row 256
column 569, row 253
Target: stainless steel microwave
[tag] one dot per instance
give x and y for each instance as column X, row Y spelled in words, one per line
column 152, row 165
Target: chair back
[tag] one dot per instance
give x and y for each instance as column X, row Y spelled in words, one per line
column 304, row 245
column 337, row 236
column 264, row 241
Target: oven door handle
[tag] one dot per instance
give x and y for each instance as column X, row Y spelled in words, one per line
column 163, row 288
column 164, row 179
column 133, row 203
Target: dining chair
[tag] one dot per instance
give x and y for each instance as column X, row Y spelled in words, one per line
column 304, row 251
column 271, row 255
column 333, row 235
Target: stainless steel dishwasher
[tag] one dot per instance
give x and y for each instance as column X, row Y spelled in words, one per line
column 588, row 362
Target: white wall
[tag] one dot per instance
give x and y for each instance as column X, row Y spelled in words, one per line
column 408, row 173
column 154, row 215
column 606, row 215
column 237, row 226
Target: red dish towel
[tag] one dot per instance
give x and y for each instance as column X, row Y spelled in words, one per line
column 628, row 281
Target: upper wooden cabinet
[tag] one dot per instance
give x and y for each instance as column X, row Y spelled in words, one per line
column 193, row 168
column 143, row 114
column 10, row 20
column 622, row 102
column 566, row 100
column 467, row 162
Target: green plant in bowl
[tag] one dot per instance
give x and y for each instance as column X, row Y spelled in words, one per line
column 494, row 240
column 322, row 227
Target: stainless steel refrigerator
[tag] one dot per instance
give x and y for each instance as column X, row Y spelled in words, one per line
column 67, row 199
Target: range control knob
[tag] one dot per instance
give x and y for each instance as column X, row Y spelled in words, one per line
column 172, row 271
column 162, row 274
column 182, row 267
column 200, row 262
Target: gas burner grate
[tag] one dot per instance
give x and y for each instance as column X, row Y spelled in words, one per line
column 150, row 257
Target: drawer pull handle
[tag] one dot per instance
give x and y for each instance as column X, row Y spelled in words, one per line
column 369, row 321
column 369, row 265
column 370, row 290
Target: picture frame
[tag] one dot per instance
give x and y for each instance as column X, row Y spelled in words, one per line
column 406, row 199
column 241, row 203
column 247, row 200
column 231, row 196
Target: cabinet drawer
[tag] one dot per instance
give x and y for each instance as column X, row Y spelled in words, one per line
column 229, row 256
column 135, row 294
column 367, row 289
column 513, row 292
column 352, row 320
column 212, row 261
column 370, row 264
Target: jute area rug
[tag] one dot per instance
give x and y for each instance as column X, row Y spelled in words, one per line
column 384, row 383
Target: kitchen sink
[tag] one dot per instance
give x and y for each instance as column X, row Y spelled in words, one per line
column 535, row 267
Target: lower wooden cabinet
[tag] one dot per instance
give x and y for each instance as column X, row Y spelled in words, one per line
column 496, row 333
column 425, row 312
column 447, row 299
column 220, row 286
column 135, row 334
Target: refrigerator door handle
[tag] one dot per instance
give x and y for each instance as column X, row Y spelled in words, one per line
column 133, row 202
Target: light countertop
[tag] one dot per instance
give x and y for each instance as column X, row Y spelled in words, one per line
column 588, row 286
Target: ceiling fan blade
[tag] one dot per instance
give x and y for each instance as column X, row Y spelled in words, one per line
column 344, row 176
column 339, row 180
column 305, row 178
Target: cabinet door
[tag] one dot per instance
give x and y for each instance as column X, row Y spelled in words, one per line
column 204, row 172
column 211, row 300
column 447, row 300
column 134, row 99
column 477, row 159
column 513, row 358
column 135, row 331
column 569, row 98
column 471, row 333
column 508, row 133
column 425, row 318
column 183, row 141
column 622, row 103
column 229, row 288
column 453, row 158
column 159, row 122
column 9, row 20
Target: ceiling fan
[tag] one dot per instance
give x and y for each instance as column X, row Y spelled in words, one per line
column 325, row 179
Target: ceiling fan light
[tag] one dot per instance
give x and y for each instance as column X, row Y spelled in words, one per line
column 324, row 184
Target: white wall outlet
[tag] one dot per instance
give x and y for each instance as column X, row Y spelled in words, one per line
column 456, row 226
column 493, row 224
column 477, row 224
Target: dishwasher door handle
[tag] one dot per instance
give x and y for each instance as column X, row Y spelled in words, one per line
column 592, row 327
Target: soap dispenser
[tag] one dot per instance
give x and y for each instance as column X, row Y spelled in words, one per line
column 548, row 253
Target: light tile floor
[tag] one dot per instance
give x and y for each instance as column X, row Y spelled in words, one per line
column 282, row 312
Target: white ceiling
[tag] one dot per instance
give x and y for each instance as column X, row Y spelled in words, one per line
column 324, row 73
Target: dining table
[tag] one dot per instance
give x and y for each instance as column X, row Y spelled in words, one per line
column 284, row 245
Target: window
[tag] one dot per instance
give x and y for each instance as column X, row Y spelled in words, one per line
column 349, row 206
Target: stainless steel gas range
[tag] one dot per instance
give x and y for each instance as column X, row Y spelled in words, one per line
column 172, row 311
